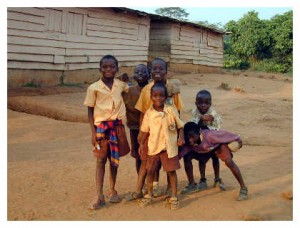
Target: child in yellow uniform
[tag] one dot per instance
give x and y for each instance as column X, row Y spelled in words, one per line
column 106, row 110
column 158, row 69
column 160, row 125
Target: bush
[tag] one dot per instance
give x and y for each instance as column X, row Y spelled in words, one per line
column 233, row 62
column 271, row 66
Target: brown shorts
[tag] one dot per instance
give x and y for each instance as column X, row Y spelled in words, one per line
column 122, row 144
column 169, row 164
column 224, row 153
column 134, row 143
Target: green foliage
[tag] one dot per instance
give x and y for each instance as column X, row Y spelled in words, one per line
column 234, row 62
column 217, row 26
column 33, row 84
column 174, row 12
column 272, row 66
column 259, row 43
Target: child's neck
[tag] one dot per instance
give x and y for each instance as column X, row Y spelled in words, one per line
column 159, row 109
column 108, row 82
column 142, row 84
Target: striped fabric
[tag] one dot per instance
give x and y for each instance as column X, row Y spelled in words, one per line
column 108, row 128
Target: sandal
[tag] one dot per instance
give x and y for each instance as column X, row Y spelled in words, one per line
column 202, row 185
column 243, row 194
column 220, row 184
column 145, row 201
column 98, row 204
column 133, row 196
column 173, row 203
column 114, row 197
column 189, row 188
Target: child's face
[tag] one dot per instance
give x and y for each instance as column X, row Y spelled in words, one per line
column 193, row 138
column 203, row 103
column 108, row 68
column 158, row 97
column 141, row 74
column 158, row 71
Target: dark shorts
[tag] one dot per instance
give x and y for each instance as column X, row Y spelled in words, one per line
column 122, row 144
column 201, row 157
column 134, row 152
column 169, row 164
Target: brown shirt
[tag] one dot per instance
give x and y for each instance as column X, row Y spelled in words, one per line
column 132, row 114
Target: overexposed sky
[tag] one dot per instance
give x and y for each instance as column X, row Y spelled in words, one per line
column 214, row 15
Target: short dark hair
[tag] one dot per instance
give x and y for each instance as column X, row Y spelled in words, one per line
column 148, row 71
column 109, row 57
column 161, row 86
column 203, row 92
column 190, row 127
column 159, row 59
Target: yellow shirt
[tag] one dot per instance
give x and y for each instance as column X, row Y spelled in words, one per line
column 108, row 104
column 162, row 127
column 144, row 102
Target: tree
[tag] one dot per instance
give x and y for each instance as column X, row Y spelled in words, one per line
column 174, row 12
column 249, row 37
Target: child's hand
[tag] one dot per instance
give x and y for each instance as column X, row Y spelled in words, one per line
column 208, row 118
column 180, row 141
column 141, row 150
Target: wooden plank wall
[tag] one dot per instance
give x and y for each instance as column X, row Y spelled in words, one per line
column 196, row 46
column 74, row 38
column 160, row 40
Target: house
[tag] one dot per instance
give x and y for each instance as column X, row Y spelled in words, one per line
column 186, row 46
column 51, row 45
column 48, row 46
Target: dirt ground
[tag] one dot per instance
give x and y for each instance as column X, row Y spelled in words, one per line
column 51, row 168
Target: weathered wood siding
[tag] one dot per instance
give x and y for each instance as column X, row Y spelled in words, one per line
column 160, row 41
column 74, row 38
column 184, row 44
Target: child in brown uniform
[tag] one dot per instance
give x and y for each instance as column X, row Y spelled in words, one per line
column 141, row 76
column 106, row 109
column 160, row 125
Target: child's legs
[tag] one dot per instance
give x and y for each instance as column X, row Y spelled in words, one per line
column 202, row 159
column 188, row 167
column 138, row 164
column 216, row 165
column 172, row 176
column 113, row 177
column 141, row 176
column 170, row 165
column 100, row 171
column 151, row 166
column 156, row 174
column 134, row 148
column 225, row 155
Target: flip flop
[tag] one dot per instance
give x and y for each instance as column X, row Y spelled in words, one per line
column 133, row 196
column 97, row 205
column 114, row 198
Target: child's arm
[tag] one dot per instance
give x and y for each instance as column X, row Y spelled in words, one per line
column 142, row 140
column 181, row 140
column 92, row 126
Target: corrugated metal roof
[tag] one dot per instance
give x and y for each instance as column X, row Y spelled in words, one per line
column 165, row 18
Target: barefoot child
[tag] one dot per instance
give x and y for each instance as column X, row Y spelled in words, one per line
column 106, row 110
column 158, row 69
column 160, row 125
column 222, row 143
column 207, row 118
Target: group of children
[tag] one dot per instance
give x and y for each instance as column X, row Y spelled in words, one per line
column 159, row 138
